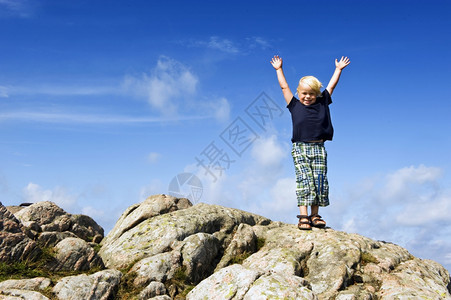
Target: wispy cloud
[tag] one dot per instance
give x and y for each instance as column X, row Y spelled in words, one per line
column 59, row 90
column 229, row 46
column 72, row 118
column 222, row 44
column 3, row 92
column 20, row 8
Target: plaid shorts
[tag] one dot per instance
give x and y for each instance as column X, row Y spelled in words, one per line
column 310, row 162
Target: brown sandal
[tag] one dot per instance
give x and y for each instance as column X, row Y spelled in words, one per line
column 304, row 225
column 317, row 221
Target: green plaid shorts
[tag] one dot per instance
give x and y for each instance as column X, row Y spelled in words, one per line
column 310, row 162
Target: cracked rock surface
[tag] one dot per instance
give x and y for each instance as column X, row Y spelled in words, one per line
column 166, row 248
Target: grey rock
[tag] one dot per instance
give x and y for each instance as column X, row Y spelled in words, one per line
column 159, row 267
column 199, row 253
column 51, row 238
column 279, row 286
column 38, row 283
column 46, row 216
column 231, row 282
column 153, row 206
column 163, row 297
column 163, row 233
column 16, row 294
column 244, row 243
column 75, row 254
column 168, row 244
column 98, row 286
column 153, row 290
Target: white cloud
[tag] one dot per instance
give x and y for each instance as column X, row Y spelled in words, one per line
column 168, row 85
column 93, row 212
column 409, row 207
column 59, row 195
column 3, row 92
column 222, row 44
column 397, row 183
column 153, row 157
column 74, row 118
column 268, row 152
column 229, row 46
column 260, row 42
column 222, row 108
column 59, row 90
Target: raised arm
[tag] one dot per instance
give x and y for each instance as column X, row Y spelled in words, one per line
column 339, row 66
column 276, row 62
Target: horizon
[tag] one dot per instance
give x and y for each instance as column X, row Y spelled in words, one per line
column 104, row 104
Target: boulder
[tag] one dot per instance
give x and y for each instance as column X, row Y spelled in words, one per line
column 153, row 290
column 231, row 282
column 98, row 286
column 16, row 294
column 38, row 283
column 165, row 232
column 152, row 206
column 159, row 267
column 15, row 245
column 75, row 254
column 199, row 253
column 244, row 242
column 46, row 216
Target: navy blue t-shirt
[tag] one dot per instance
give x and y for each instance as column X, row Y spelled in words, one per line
column 311, row 122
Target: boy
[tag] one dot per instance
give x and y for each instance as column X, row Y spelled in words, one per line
column 312, row 126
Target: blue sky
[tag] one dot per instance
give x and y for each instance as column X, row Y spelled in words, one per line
column 104, row 103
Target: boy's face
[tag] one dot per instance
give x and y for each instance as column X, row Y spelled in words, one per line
column 306, row 94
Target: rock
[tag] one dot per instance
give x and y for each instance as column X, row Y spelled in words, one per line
column 332, row 264
column 162, row 233
column 153, row 290
column 46, row 216
column 163, row 297
column 159, row 267
column 244, row 243
column 199, row 253
column 231, row 282
column 279, row 286
column 75, row 254
column 15, row 245
column 38, row 283
column 166, row 245
column 16, row 294
column 100, row 285
column 152, row 206
column 51, row 238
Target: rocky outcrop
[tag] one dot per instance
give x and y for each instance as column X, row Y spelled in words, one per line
column 15, row 245
column 48, row 217
column 100, row 285
column 166, row 248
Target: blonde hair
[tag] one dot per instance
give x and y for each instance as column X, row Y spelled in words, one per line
column 312, row 82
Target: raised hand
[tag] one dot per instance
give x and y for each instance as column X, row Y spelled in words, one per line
column 344, row 61
column 276, row 62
